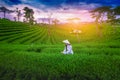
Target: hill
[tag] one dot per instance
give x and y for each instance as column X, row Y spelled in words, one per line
column 32, row 52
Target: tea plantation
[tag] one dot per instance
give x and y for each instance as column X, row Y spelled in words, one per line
column 33, row 52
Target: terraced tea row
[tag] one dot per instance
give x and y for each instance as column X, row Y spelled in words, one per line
column 12, row 32
column 25, row 34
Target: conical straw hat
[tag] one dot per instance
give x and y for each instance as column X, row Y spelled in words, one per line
column 66, row 42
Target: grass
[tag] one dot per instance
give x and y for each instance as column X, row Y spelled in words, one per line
column 37, row 56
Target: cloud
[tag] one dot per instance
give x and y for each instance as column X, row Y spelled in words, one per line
column 2, row 3
column 60, row 9
column 10, row 2
column 61, row 14
column 56, row 4
column 81, row 6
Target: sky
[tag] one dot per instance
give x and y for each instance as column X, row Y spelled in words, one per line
column 58, row 9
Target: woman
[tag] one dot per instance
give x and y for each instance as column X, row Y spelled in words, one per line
column 68, row 48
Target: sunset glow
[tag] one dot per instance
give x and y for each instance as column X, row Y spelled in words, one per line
column 61, row 10
column 61, row 15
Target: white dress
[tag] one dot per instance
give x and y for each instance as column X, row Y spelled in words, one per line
column 68, row 50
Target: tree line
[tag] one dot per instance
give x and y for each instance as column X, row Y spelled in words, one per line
column 99, row 14
column 105, row 14
column 108, row 12
column 28, row 14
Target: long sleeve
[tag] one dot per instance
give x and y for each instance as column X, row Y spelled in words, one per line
column 69, row 50
column 64, row 51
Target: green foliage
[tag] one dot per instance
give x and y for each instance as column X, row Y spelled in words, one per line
column 29, row 15
column 5, row 10
column 32, row 53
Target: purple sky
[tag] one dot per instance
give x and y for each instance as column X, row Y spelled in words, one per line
column 58, row 9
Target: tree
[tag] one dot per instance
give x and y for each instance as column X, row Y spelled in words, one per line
column 117, row 10
column 26, row 9
column 55, row 21
column 18, row 13
column 14, row 18
column 5, row 10
column 117, row 13
column 49, row 17
column 99, row 14
column 49, row 22
column 111, row 15
column 29, row 15
column 31, row 20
